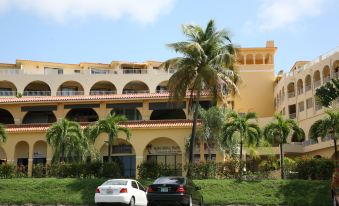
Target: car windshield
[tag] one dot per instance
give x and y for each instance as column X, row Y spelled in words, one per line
column 170, row 180
column 115, row 182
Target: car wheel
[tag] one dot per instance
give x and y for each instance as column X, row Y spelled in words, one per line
column 132, row 202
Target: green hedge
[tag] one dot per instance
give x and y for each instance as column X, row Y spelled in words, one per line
column 153, row 170
column 315, row 168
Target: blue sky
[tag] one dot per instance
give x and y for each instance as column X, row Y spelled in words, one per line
column 74, row 31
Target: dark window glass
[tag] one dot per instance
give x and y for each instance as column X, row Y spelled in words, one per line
column 170, row 180
column 134, row 185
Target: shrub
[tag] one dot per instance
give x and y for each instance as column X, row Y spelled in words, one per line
column 204, row 170
column 314, row 168
column 153, row 170
column 111, row 170
column 39, row 170
column 7, row 170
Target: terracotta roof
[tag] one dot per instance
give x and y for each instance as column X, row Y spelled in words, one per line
column 130, row 124
column 86, row 98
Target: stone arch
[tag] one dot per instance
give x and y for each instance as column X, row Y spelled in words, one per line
column 300, row 86
column 82, row 115
column 162, row 87
column 70, row 88
column 249, row 59
column 37, row 117
column 7, row 88
column 6, row 117
column 316, row 79
column 135, row 87
column 40, row 152
column 308, row 83
column 326, row 74
column 168, row 114
column 21, row 156
column 103, row 88
column 37, row 88
column 259, row 59
column 268, row 59
column 240, row 59
column 335, row 68
column 291, row 90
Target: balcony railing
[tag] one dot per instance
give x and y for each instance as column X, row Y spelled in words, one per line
column 36, row 93
column 134, row 71
column 317, row 84
column 69, row 93
column 98, row 92
column 291, row 94
column 300, row 91
column 8, row 93
column 135, row 91
column 293, row 115
column 308, row 88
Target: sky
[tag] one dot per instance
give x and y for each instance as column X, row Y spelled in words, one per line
column 74, row 31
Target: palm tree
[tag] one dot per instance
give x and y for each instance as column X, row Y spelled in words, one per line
column 278, row 131
column 64, row 137
column 3, row 134
column 244, row 127
column 210, row 131
column 111, row 127
column 329, row 126
column 207, row 64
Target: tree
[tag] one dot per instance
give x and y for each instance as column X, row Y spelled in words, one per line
column 111, row 127
column 328, row 126
column 244, row 127
column 328, row 93
column 278, row 131
column 207, row 64
column 3, row 134
column 65, row 137
column 210, row 131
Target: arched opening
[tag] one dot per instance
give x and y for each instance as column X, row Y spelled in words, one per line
column 291, row 90
column 241, row 59
column 300, row 87
column 37, row 88
column 70, row 88
column 317, row 157
column 3, row 156
column 103, row 88
column 21, row 156
column 268, row 59
column 135, row 87
column 259, row 59
column 168, row 114
column 316, row 79
column 82, row 115
column 129, row 113
column 165, row 151
column 162, row 87
column 326, row 74
column 308, row 83
column 336, row 69
column 37, row 117
column 249, row 59
column 124, row 154
column 6, row 117
column 7, row 88
column 39, row 153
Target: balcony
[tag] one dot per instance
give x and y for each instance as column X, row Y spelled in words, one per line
column 8, row 93
column 36, row 93
column 134, row 71
column 291, row 94
column 135, row 91
column 69, row 93
column 99, row 92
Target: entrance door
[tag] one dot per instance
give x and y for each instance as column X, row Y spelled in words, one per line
column 127, row 164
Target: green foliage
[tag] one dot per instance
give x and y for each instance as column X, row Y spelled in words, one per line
column 315, row 168
column 111, row 170
column 328, row 93
column 39, row 170
column 3, row 134
column 204, row 170
column 7, row 170
column 18, row 95
column 153, row 170
column 269, row 164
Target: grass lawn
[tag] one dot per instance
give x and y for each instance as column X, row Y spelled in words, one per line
column 221, row 192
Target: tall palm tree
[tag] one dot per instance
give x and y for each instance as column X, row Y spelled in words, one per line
column 3, row 134
column 210, row 131
column 328, row 126
column 111, row 127
column 244, row 127
column 207, row 64
column 278, row 131
column 64, row 137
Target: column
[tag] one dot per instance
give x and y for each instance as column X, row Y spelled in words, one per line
column 139, row 158
column 30, row 160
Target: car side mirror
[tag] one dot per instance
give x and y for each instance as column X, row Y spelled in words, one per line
column 197, row 188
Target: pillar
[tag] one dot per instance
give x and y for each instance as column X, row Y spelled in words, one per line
column 139, row 158
column 30, row 160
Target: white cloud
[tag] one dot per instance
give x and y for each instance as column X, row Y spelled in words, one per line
column 143, row 11
column 277, row 14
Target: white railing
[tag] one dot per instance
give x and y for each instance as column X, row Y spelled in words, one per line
column 98, row 92
column 308, row 88
column 10, row 71
column 69, row 93
column 36, row 93
column 8, row 93
column 291, row 94
column 134, row 71
column 317, row 84
column 293, row 115
column 300, row 91
column 135, row 91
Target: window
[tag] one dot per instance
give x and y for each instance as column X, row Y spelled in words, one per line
column 77, row 71
column 309, row 103
column 301, row 106
column 49, row 70
column 134, row 185
column 318, row 106
column 141, row 187
column 100, row 71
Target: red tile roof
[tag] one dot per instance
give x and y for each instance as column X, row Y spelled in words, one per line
column 130, row 124
column 40, row 99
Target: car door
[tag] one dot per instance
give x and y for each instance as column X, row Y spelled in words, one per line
column 136, row 193
column 142, row 191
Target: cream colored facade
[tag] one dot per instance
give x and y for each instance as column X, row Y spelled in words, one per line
column 89, row 91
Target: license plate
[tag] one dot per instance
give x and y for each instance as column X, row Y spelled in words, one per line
column 164, row 189
column 109, row 191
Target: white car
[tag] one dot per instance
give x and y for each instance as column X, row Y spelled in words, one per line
column 126, row 191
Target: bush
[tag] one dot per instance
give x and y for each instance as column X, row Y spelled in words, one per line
column 204, row 170
column 314, row 168
column 153, row 170
column 229, row 169
column 111, row 170
column 39, row 170
column 7, row 170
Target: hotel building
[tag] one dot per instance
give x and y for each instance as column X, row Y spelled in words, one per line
column 34, row 94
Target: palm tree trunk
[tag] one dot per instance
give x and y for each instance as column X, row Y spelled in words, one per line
column 240, row 158
column 109, row 152
column 335, row 150
column 281, row 161
column 209, row 152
